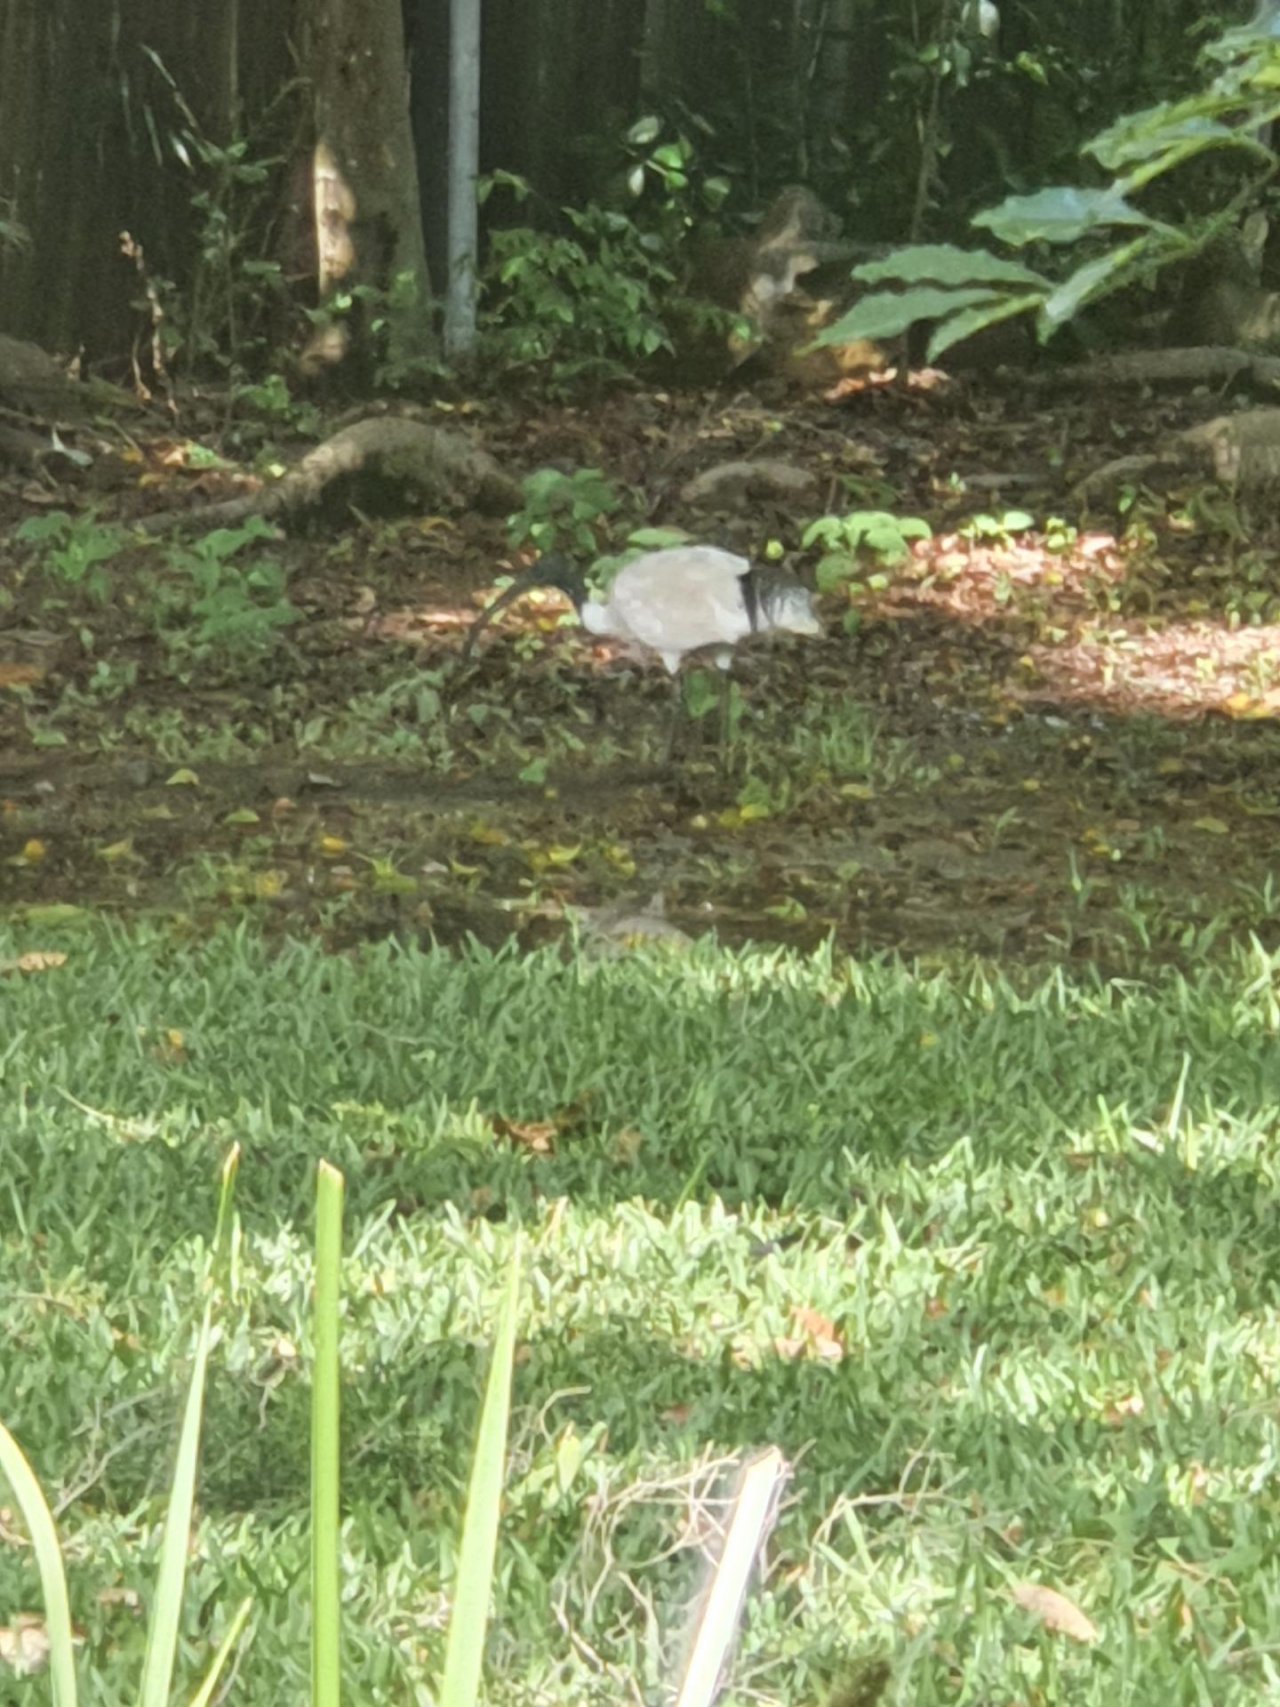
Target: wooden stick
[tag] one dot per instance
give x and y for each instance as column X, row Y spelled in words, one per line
column 754, row 1512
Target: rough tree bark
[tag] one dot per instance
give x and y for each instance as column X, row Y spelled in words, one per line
column 353, row 56
column 464, row 166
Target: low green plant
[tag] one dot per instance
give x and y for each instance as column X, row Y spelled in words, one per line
column 162, row 1629
column 1060, row 535
column 593, row 293
column 221, row 315
column 111, row 680
column 858, row 547
column 74, row 549
column 403, row 719
column 396, row 324
column 563, row 512
column 210, row 606
column 272, row 398
column 663, row 174
column 985, row 529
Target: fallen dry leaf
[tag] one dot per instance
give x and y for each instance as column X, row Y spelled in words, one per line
column 19, row 675
column 120, row 1596
column 536, row 1135
column 33, row 851
column 1123, row 1410
column 539, row 1136
column 817, row 1326
column 818, row 1337
column 627, row 1145
column 24, row 1644
column 35, row 961
column 1055, row 1611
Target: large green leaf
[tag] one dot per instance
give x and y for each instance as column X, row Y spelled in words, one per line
column 1133, row 140
column 945, row 264
column 1063, row 214
column 1096, row 278
column 887, row 313
column 1146, row 174
column 1261, row 32
column 972, row 320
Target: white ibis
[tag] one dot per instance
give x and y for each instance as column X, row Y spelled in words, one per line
column 682, row 600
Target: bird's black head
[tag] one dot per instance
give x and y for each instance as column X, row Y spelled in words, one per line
column 553, row 570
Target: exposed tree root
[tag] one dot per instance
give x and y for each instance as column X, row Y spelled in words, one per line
column 420, row 464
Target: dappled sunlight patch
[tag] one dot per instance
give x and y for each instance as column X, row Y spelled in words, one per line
column 412, row 625
column 973, row 580
column 898, row 1271
column 1181, row 671
column 1083, row 654
column 548, row 617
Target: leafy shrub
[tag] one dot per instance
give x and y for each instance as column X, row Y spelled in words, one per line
column 965, row 291
column 602, row 294
column 563, row 511
column 588, row 302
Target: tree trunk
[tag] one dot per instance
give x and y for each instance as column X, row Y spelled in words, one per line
column 353, row 56
column 464, row 165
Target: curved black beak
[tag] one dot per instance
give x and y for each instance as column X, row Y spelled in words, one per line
column 551, row 571
column 524, row 582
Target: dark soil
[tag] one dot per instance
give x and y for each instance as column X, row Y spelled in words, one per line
column 1031, row 742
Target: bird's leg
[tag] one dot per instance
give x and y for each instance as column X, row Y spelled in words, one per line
column 726, row 713
column 728, row 721
column 677, row 717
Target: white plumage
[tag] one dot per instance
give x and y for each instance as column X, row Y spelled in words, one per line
column 674, row 603
column 694, row 598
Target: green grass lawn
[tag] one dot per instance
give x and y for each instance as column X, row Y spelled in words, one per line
column 998, row 1269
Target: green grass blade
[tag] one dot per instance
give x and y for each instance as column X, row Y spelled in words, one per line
column 226, row 1228
column 464, row 1654
column 53, row 1581
column 162, row 1630
column 326, row 1652
column 204, row 1694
